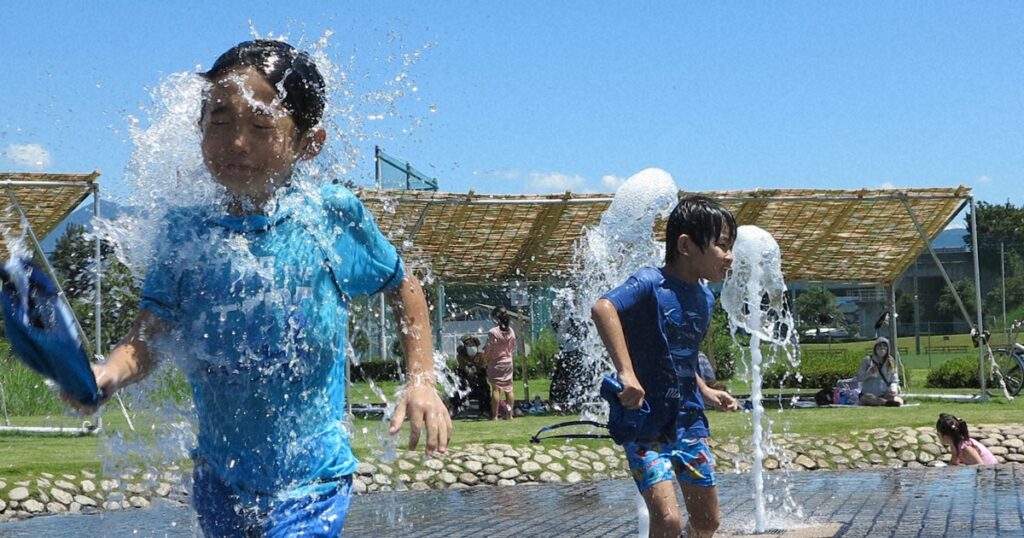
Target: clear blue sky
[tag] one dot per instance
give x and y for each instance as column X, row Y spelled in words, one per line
column 544, row 96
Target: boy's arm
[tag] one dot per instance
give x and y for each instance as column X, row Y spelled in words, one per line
column 419, row 400
column 129, row 362
column 719, row 399
column 609, row 326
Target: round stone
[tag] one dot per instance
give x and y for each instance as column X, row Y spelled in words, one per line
column 458, row 485
column 508, row 474
column 469, row 479
column 574, row 477
column 606, row 451
column 473, row 466
column 32, row 506
column 19, row 493
column 419, row 486
column 598, row 466
column 448, row 478
column 530, row 467
column 506, row 462
column 138, row 502
column 556, row 467
column 381, row 479
column 555, row 453
column 491, row 479
column 579, row 465
column 84, row 500
column 506, row 482
column 364, row 468
column 358, row 486
column 543, row 459
column 61, row 496
column 404, row 465
column 434, row 464
column 492, row 468
column 548, row 476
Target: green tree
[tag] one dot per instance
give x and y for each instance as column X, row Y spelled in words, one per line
column 816, row 304
column 946, row 305
column 718, row 344
column 997, row 223
column 73, row 259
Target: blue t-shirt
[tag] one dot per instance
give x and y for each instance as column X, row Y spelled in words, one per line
column 258, row 324
column 664, row 320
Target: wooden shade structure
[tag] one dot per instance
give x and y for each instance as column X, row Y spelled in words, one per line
column 863, row 237
column 46, row 200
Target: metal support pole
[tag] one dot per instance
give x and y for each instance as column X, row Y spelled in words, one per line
column 439, row 311
column 894, row 335
column 98, row 300
column 377, row 176
column 917, row 310
column 1002, row 277
column 382, row 326
column 977, row 297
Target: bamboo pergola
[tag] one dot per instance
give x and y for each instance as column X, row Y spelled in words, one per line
column 46, row 199
column 861, row 237
column 865, row 237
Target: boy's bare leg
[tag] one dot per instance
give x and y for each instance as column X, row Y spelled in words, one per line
column 702, row 506
column 495, row 401
column 664, row 510
column 510, row 401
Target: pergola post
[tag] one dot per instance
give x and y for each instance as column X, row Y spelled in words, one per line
column 977, row 298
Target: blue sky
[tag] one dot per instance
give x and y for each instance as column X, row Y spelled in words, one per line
column 549, row 96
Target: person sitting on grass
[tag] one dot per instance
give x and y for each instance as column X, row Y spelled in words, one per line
column 878, row 379
column 953, row 434
column 652, row 326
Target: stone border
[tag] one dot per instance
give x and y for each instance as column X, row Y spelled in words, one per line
column 505, row 465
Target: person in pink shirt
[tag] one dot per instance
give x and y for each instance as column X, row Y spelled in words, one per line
column 501, row 346
column 966, row 451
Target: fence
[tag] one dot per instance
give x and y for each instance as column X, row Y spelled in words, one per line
column 391, row 173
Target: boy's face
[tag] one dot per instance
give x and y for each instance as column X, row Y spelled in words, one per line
column 714, row 262
column 250, row 142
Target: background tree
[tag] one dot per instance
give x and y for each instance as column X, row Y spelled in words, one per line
column 816, row 304
column 73, row 260
column 946, row 305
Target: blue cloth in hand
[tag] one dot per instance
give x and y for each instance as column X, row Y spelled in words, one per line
column 42, row 333
column 624, row 425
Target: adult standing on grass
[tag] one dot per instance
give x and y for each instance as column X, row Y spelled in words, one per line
column 501, row 346
column 879, row 382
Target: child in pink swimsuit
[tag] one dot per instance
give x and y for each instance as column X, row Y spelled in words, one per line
column 966, row 451
column 501, row 346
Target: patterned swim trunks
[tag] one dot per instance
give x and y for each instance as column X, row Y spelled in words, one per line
column 688, row 460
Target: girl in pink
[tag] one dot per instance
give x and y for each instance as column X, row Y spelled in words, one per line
column 966, row 451
column 501, row 345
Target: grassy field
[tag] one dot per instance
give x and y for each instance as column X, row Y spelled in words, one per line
column 22, row 455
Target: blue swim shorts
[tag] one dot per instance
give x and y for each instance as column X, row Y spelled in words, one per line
column 222, row 514
column 688, row 460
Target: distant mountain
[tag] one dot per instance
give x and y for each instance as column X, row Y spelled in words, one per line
column 82, row 215
column 952, row 238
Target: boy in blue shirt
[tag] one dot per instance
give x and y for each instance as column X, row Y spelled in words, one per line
column 250, row 297
column 652, row 326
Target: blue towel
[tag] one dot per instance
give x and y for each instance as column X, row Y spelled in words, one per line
column 42, row 332
column 623, row 424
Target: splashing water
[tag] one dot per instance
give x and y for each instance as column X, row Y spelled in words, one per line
column 754, row 297
column 608, row 254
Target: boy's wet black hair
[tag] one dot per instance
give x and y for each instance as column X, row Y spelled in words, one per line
column 291, row 71
column 701, row 219
column 955, row 428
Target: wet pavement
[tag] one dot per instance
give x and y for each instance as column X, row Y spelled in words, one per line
column 934, row 502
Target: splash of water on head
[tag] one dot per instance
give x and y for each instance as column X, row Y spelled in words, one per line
column 754, row 297
column 607, row 255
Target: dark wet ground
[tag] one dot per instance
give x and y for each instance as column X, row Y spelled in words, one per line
column 935, row 502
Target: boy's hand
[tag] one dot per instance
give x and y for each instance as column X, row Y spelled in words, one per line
column 632, row 395
column 719, row 399
column 106, row 383
column 424, row 408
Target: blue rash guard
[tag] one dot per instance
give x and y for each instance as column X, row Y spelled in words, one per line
column 258, row 324
column 664, row 320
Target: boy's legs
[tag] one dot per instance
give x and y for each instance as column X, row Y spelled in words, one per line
column 495, row 401
column 663, row 509
column 510, row 401
column 321, row 514
column 702, row 506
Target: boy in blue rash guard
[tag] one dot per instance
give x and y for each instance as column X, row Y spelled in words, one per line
column 253, row 298
column 653, row 325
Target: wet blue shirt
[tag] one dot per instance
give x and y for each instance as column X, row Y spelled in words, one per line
column 258, row 324
column 664, row 320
